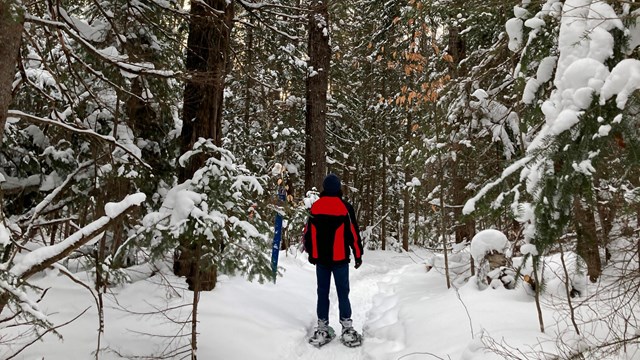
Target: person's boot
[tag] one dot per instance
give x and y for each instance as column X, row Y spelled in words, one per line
column 323, row 334
column 350, row 336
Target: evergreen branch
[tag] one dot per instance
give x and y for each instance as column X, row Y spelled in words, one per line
column 109, row 139
column 132, row 68
column 25, row 78
column 469, row 207
column 49, row 198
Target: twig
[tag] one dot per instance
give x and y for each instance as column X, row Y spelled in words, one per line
column 465, row 309
column 566, row 281
column 422, row 353
column 46, row 332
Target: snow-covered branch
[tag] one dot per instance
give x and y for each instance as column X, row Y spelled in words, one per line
column 133, row 68
column 470, row 205
column 263, row 5
column 108, row 139
column 46, row 256
column 49, row 198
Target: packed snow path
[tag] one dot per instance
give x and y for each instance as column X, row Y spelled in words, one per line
column 277, row 319
column 373, row 305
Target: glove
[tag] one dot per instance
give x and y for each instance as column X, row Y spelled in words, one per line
column 358, row 263
column 312, row 260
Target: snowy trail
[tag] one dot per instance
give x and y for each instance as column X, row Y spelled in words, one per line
column 276, row 320
column 403, row 311
column 239, row 319
column 373, row 303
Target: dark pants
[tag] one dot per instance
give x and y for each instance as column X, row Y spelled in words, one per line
column 341, row 278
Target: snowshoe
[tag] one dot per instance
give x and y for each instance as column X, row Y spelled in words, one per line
column 322, row 336
column 350, row 337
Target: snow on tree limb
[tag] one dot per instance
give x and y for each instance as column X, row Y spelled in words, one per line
column 49, row 198
column 46, row 256
column 26, row 304
column 137, row 69
column 109, row 139
column 470, row 205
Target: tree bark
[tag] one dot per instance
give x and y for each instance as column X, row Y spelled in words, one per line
column 607, row 213
column 317, row 86
column 383, row 210
column 248, row 98
column 207, row 60
column 207, row 64
column 11, row 26
column 465, row 228
column 587, row 238
column 406, row 194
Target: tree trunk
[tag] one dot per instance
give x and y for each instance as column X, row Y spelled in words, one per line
column 457, row 49
column 465, row 228
column 383, row 211
column 207, row 60
column 406, row 193
column 317, row 86
column 607, row 213
column 405, row 218
column 416, row 217
column 587, row 238
column 11, row 27
column 248, row 98
column 366, row 195
column 207, row 64
column 194, row 312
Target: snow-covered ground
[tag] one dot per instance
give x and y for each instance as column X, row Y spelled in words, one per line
column 404, row 312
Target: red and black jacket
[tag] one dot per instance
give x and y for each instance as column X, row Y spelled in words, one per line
column 331, row 231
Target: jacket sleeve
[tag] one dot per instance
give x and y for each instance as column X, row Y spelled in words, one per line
column 307, row 237
column 356, row 244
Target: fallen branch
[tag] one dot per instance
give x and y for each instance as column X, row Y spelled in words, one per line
column 46, row 256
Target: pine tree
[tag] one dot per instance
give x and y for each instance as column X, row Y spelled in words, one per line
column 71, row 145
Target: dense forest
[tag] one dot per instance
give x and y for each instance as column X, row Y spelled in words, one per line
column 147, row 131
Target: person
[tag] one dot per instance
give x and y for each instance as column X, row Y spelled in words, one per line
column 331, row 233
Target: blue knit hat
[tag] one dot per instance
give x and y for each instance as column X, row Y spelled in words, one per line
column 331, row 185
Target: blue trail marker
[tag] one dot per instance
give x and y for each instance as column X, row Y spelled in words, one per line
column 277, row 234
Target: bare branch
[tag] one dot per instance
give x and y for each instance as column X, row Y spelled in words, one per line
column 46, row 332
